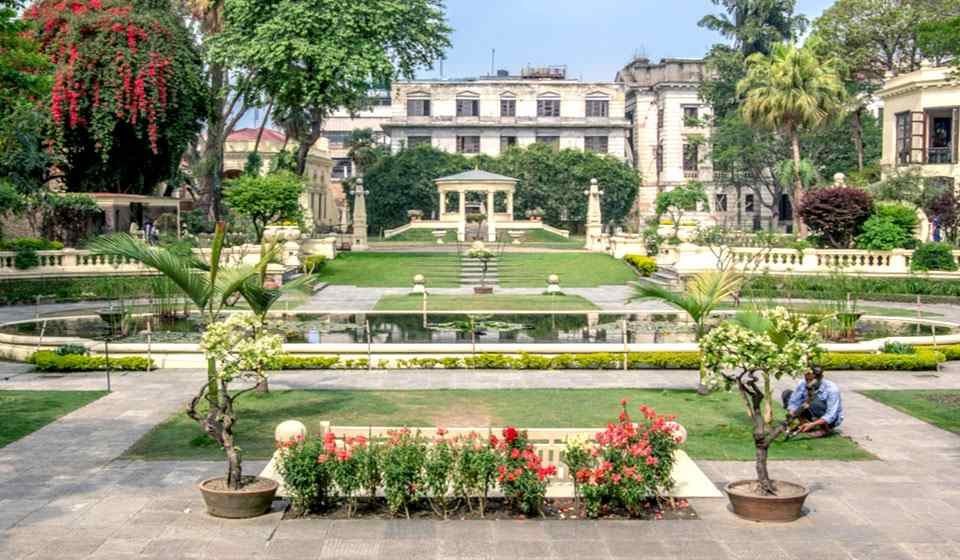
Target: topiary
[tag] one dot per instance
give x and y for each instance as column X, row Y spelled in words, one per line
column 933, row 256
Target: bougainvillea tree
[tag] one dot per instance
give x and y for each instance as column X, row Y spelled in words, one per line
column 127, row 93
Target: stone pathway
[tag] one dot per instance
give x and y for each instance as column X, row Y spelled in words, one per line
column 64, row 493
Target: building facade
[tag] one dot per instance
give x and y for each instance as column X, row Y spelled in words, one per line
column 488, row 115
column 920, row 119
column 338, row 127
column 669, row 131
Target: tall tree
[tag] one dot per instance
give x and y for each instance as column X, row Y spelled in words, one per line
column 313, row 56
column 127, row 95
column 755, row 25
column 363, row 149
column 24, row 72
column 790, row 91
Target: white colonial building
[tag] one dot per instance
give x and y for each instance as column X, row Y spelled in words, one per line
column 487, row 115
column 920, row 119
column 339, row 125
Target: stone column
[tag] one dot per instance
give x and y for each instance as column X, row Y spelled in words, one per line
column 491, row 218
column 359, row 217
column 462, row 216
column 443, row 204
column 510, row 204
column 594, row 220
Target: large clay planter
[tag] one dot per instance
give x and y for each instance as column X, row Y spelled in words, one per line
column 767, row 508
column 238, row 504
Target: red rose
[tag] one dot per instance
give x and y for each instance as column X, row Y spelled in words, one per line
column 510, row 434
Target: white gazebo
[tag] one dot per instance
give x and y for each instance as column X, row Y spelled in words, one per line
column 476, row 181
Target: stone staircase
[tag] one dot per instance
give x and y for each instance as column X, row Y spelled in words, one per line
column 471, row 271
column 667, row 277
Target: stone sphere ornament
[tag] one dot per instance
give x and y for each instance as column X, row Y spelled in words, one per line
column 553, row 284
column 289, row 430
column 419, row 284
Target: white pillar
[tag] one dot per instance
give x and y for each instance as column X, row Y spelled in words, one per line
column 462, row 217
column 443, row 204
column 359, row 217
column 594, row 220
column 491, row 218
column 510, row 204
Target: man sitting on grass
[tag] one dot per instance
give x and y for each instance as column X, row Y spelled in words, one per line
column 816, row 402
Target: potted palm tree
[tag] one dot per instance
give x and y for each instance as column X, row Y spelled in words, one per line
column 751, row 352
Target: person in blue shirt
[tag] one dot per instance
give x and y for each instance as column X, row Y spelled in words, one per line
column 822, row 413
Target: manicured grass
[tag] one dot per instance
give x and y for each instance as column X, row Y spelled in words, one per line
column 493, row 302
column 814, row 307
column 23, row 412
column 940, row 408
column 576, row 270
column 420, row 236
column 717, row 424
column 550, row 239
column 392, row 270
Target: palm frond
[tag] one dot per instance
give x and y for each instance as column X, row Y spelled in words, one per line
column 752, row 321
column 179, row 269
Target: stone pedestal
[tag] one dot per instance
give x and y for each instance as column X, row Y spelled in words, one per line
column 359, row 239
column 594, row 226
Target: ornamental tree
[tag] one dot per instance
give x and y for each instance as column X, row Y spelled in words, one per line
column 679, row 200
column 127, row 95
column 265, row 199
column 836, row 214
column 751, row 353
column 241, row 349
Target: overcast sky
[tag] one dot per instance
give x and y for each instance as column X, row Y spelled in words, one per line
column 593, row 38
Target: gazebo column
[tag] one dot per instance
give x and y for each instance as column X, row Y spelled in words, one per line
column 443, row 204
column 491, row 218
column 462, row 216
column 510, row 204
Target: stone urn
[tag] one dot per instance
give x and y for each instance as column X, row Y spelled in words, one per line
column 281, row 233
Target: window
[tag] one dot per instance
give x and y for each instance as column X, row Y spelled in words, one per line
column 548, row 107
column 342, row 168
column 506, row 142
column 552, row 141
column 598, row 108
column 378, row 101
column 903, row 137
column 418, row 107
column 508, row 107
column 691, row 114
column 748, row 203
column 468, row 107
column 337, row 137
column 941, row 137
column 691, row 160
column 596, row 144
column 468, row 144
column 720, row 202
column 414, row 141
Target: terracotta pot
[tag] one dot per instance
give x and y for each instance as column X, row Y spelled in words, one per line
column 483, row 289
column 238, row 504
column 750, row 506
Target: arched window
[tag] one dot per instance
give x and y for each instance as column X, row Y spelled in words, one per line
column 468, row 104
column 508, row 104
column 597, row 105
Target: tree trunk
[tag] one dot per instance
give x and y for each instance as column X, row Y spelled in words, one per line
column 211, row 157
column 856, row 131
column 763, row 476
column 797, row 182
column 303, row 150
column 263, row 123
column 234, row 470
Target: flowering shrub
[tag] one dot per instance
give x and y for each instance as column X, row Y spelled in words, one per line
column 403, row 462
column 308, row 480
column 240, row 347
column 127, row 88
column 629, row 463
column 438, row 473
column 522, row 477
column 353, row 466
column 475, row 470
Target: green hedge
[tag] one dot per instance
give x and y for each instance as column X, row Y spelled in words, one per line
column 73, row 289
column 47, row 360
column 646, row 266
column 923, row 359
column 950, row 351
column 872, row 288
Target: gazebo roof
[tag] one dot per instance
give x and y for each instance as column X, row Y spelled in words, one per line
column 477, row 175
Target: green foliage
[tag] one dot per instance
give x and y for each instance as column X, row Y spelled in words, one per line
column 26, row 290
column 48, row 360
column 680, row 199
column 754, row 27
column 933, row 256
column 898, row 348
column 646, row 266
column 939, row 36
column 254, row 164
column 265, row 199
column 124, row 106
column 403, row 462
column 26, row 258
column 550, row 180
column 307, row 362
column 308, row 481
column 71, row 349
column 823, row 287
column 920, row 361
column 313, row 264
column 881, row 234
column 311, row 57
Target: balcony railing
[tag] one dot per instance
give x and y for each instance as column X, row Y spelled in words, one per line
column 940, row 155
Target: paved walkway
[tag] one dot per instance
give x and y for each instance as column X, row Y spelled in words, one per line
column 64, row 493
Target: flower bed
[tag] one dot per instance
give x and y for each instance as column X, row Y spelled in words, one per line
column 625, row 471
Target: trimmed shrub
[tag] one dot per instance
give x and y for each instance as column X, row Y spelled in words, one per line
column 26, row 258
column 897, row 348
column 26, row 290
column 882, row 234
column 30, row 243
column 950, row 351
column 921, row 360
column 933, row 256
column 664, row 360
column 71, row 349
column 47, row 360
column 313, row 264
column 836, row 215
column 308, row 362
column 867, row 288
column 646, row 266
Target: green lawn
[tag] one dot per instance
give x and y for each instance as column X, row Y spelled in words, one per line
column 824, row 306
column 940, row 408
column 23, row 412
column 576, row 270
column 717, row 424
column 493, row 302
column 550, row 239
column 392, row 270
column 419, row 236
